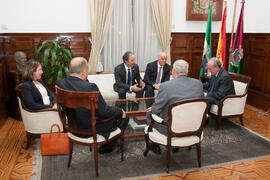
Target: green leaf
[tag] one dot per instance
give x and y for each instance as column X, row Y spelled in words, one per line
column 59, row 74
column 44, row 57
column 54, row 57
column 68, row 52
column 65, row 56
column 50, row 80
column 38, row 51
column 66, row 71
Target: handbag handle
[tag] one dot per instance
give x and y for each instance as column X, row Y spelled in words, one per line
column 56, row 126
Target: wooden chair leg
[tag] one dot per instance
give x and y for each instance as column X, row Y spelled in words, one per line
column 218, row 122
column 168, row 158
column 199, row 153
column 146, row 137
column 122, row 146
column 28, row 142
column 90, row 148
column 96, row 158
column 241, row 120
column 70, row 153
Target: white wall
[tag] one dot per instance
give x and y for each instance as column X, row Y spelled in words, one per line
column 44, row 16
column 256, row 17
column 48, row 16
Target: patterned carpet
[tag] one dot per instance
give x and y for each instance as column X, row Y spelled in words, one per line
column 232, row 143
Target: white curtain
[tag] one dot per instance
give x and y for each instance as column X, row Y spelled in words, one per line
column 120, row 35
column 162, row 15
column 146, row 43
column 100, row 16
column 132, row 29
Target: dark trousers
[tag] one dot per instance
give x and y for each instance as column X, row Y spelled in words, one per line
column 149, row 91
column 122, row 93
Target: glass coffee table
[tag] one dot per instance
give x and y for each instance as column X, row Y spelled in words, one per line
column 136, row 110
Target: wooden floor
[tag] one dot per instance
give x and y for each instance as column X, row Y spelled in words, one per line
column 16, row 162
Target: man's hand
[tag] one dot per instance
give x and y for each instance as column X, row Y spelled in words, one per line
column 54, row 106
column 149, row 109
column 124, row 114
column 135, row 88
column 156, row 86
column 142, row 84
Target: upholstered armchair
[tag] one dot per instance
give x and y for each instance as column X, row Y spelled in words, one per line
column 185, row 127
column 232, row 105
column 36, row 122
column 67, row 101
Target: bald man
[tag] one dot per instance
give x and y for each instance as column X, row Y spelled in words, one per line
column 179, row 88
column 156, row 73
column 76, row 81
column 220, row 84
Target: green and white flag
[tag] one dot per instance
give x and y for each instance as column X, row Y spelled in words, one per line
column 207, row 43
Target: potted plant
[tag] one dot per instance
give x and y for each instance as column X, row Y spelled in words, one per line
column 54, row 57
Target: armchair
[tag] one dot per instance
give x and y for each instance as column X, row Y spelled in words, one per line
column 67, row 101
column 185, row 127
column 36, row 122
column 233, row 105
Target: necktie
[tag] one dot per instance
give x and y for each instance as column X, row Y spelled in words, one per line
column 158, row 75
column 129, row 79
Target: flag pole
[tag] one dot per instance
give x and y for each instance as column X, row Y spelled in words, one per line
column 230, row 49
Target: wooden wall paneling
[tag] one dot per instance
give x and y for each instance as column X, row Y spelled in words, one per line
column 195, row 65
column 267, row 79
column 3, row 93
column 188, row 46
column 256, row 70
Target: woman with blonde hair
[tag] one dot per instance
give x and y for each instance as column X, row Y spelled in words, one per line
column 36, row 95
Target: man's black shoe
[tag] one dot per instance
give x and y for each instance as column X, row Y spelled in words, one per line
column 175, row 149
column 155, row 148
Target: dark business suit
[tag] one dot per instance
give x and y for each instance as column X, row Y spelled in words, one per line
column 32, row 97
column 219, row 86
column 151, row 75
column 180, row 88
column 120, row 86
column 83, row 116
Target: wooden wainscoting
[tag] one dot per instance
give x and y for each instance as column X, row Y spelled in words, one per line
column 188, row 46
column 3, row 90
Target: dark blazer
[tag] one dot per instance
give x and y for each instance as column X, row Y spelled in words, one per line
column 83, row 116
column 32, row 97
column 120, row 77
column 222, row 86
column 151, row 73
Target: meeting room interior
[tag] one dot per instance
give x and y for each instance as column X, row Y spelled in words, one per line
column 88, row 86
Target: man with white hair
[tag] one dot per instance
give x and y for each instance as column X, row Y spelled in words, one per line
column 179, row 88
column 156, row 73
column 220, row 84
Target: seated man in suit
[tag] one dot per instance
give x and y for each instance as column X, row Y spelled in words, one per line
column 127, row 77
column 179, row 88
column 156, row 72
column 77, row 82
column 220, row 84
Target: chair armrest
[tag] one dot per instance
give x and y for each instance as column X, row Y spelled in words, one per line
column 41, row 110
column 230, row 96
column 157, row 118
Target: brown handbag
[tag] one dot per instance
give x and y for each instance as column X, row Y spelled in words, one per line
column 54, row 143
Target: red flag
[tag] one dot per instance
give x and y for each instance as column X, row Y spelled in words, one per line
column 221, row 50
